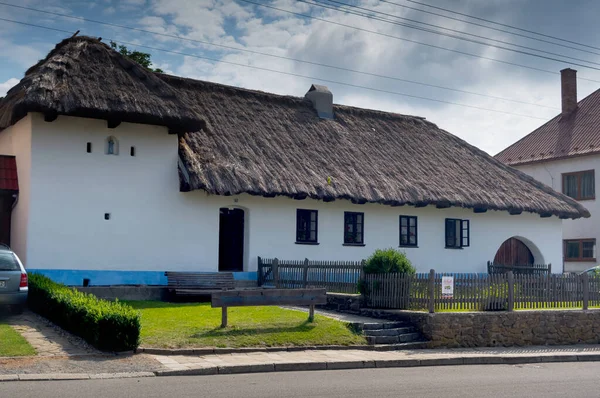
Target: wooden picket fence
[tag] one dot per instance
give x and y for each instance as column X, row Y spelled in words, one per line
column 335, row 276
column 535, row 269
column 481, row 292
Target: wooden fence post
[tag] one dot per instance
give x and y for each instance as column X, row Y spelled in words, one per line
column 511, row 291
column 275, row 268
column 311, row 313
column 305, row 276
column 224, row 317
column 431, row 291
column 586, row 290
column 260, row 272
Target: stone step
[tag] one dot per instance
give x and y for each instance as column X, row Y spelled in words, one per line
column 390, row 332
column 403, row 338
column 383, row 325
column 413, row 345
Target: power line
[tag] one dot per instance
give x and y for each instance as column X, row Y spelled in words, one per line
column 495, row 29
column 312, row 78
column 454, row 36
column 294, row 13
column 330, row 81
column 36, row 26
column 291, row 59
column 443, row 28
column 404, row 39
column 500, row 24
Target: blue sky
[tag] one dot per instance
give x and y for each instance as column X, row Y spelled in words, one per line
column 242, row 25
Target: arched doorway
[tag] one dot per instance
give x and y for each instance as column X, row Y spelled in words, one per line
column 513, row 252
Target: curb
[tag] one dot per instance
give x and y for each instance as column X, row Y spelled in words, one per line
column 218, row 351
column 393, row 363
column 73, row 376
column 310, row 366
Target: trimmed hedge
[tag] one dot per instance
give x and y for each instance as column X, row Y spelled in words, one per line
column 107, row 325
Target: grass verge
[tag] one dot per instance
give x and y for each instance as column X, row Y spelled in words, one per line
column 177, row 325
column 12, row 344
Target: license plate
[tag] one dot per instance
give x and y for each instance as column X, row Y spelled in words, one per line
column 2, row 284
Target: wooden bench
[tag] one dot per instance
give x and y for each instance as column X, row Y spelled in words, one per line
column 260, row 297
column 198, row 283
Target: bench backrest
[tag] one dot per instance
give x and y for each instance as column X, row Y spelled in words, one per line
column 258, row 297
column 200, row 280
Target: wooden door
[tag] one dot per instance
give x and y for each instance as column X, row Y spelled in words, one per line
column 513, row 252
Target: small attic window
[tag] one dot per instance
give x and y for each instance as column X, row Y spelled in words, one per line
column 112, row 146
column 132, row 151
column 89, row 147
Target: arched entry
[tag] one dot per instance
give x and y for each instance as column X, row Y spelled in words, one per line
column 514, row 252
column 231, row 239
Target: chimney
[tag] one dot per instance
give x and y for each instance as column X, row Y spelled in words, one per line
column 568, row 82
column 322, row 100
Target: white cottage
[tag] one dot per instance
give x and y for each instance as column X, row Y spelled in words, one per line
column 124, row 174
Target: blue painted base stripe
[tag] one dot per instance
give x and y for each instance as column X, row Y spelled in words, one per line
column 73, row 277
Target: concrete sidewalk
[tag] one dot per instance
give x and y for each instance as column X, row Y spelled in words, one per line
column 357, row 359
column 79, row 368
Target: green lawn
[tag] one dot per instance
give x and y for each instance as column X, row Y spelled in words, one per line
column 175, row 325
column 12, row 344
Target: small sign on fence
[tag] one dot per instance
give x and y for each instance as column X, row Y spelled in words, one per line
column 447, row 286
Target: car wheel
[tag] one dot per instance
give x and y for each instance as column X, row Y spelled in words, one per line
column 17, row 309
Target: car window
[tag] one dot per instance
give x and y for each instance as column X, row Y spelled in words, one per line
column 8, row 262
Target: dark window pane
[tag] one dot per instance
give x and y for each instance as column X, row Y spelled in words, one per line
column 587, row 185
column 403, row 221
column 451, row 233
column 588, row 249
column 570, row 185
column 8, row 262
column 572, row 249
column 413, row 240
column 306, row 225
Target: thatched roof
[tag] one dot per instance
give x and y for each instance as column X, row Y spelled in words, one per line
column 269, row 145
column 84, row 77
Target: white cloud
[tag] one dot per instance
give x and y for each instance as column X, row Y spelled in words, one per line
column 7, row 85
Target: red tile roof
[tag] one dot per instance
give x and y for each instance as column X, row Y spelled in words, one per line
column 8, row 173
column 564, row 136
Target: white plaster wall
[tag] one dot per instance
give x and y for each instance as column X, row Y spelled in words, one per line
column 16, row 141
column 153, row 226
column 550, row 173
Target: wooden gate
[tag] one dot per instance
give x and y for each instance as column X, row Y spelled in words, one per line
column 513, row 252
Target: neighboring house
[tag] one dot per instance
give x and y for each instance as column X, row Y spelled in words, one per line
column 565, row 154
column 124, row 174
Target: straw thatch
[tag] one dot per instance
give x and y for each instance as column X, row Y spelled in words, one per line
column 84, row 77
column 270, row 145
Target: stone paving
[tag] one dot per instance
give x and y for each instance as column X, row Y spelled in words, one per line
column 48, row 339
column 346, row 359
column 340, row 316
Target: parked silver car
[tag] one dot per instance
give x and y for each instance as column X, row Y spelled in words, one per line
column 13, row 281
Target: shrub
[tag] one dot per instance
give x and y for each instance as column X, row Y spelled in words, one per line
column 388, row 261
column 108, row 326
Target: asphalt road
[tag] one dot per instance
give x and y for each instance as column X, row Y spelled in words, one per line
column 539, row 380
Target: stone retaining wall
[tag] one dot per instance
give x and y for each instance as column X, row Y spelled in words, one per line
column 495, row 329
column 343, row 302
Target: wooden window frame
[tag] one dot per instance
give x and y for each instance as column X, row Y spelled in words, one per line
column 307, row 241
column 580, row 258
column 579, row 175
column 463, row 239
column 355, row 224
column 408, row 218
